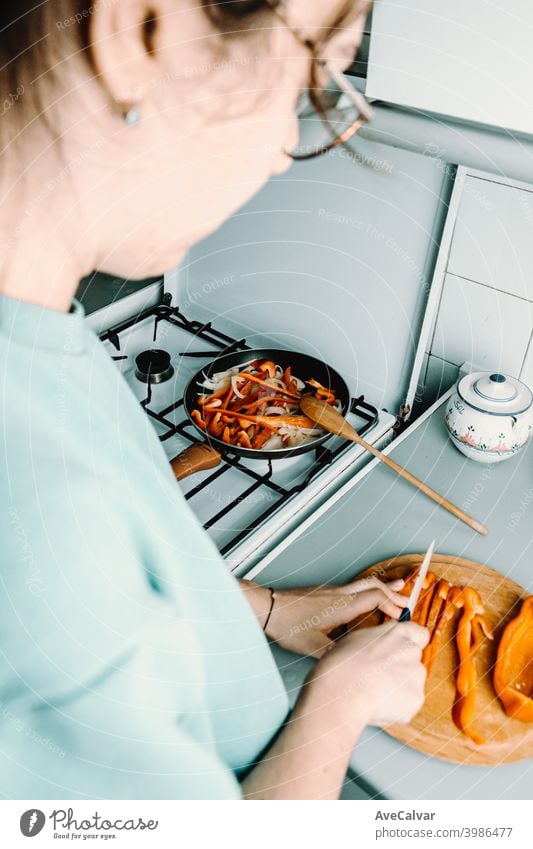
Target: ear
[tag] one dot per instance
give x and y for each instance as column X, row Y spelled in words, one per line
column 120, row 35
column 130, row 41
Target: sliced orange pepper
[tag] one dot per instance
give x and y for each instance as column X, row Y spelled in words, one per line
column 513, row 673
column 261, row 437
column 205, row 399
column 408, row 586
column 322, row 391
column 273, row 422
column 260, row 382
column 410, row 582
column 216, row 426
column 316, row 385
column 243, row 439
column 197, row 416
column 267, row 366
column 439, row 597
column 420, row 613
column 262, row 401
column 226, row 408
column 453, row 601
column 468, row 643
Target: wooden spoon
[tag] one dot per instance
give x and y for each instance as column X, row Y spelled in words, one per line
column 324, row 415
column 195, row 458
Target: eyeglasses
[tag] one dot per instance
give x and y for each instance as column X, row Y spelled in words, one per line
column 328, row 116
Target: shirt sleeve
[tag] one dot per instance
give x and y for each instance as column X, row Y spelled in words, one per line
column 140, row 730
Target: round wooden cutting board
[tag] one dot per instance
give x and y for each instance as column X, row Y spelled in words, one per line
column 432, row 730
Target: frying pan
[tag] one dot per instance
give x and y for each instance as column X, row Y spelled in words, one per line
column 208, row 454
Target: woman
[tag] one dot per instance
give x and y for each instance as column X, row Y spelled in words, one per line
column 133, row 664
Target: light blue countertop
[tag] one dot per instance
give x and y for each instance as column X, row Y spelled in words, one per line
column 382, row 516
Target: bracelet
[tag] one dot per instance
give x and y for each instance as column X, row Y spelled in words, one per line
column 272, row 600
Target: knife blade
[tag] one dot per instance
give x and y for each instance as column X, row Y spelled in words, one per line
column 407, row 612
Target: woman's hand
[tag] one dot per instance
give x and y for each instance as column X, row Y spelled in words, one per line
column 373, row 676
column 302, row 618
column 370, row 677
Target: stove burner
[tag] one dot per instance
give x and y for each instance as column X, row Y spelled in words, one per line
column 153, row 366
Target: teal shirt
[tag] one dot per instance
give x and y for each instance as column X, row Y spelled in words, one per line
column 131, row 665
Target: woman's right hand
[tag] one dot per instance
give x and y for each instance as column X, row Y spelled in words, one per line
column 373, row 676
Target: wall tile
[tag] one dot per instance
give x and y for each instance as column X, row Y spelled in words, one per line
column 527, row 370
column 483, row 326
column 440, row 375
column 493, row 237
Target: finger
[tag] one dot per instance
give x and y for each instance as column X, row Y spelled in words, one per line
column 391, row 609
column 372, row 583
column 392, row 594
column 414, row 633
column 377, row 596
column 360, row 585
column 348, row 607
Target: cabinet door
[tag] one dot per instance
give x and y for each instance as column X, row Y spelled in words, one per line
column 471, row 60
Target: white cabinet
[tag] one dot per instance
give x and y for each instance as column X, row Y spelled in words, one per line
column 471, row 60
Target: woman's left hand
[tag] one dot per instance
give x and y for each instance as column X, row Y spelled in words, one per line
column 303, row 617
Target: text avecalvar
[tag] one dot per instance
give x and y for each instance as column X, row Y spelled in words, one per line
column 405, row 815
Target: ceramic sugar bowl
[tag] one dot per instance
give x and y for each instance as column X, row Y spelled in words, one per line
column 490, row 416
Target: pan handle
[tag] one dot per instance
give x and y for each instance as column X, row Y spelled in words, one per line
column 196, row 458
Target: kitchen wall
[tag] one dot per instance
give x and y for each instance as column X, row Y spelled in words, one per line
column 332, row 258
column 485, row 281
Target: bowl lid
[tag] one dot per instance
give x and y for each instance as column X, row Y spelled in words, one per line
column 495, row 393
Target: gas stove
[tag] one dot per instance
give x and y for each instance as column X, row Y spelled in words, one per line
column 247, row 506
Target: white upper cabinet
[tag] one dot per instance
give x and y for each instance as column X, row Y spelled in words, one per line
column 469, row 59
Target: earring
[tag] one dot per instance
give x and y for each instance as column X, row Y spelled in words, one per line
column 132, row 116
column 131, row 113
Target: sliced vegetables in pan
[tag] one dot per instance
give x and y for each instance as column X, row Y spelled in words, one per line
column 257, row 405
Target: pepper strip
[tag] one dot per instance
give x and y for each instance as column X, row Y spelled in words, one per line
column 452, row 602
column 273, row 422
column 260, row 382
column 421, row 611
column 439, row 598
column 253, row 405
column 265, row 365
column 467, row 645
column 408, row 586
column 197, row 416
column 513, row 673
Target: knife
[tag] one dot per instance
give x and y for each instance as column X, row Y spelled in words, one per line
column 407, row 612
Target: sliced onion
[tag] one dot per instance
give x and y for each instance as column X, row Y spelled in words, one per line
column 215, row 386
column 273, row 443
column 275, row 411
column 290, row 430
column 234, row 380
column 207, row 383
